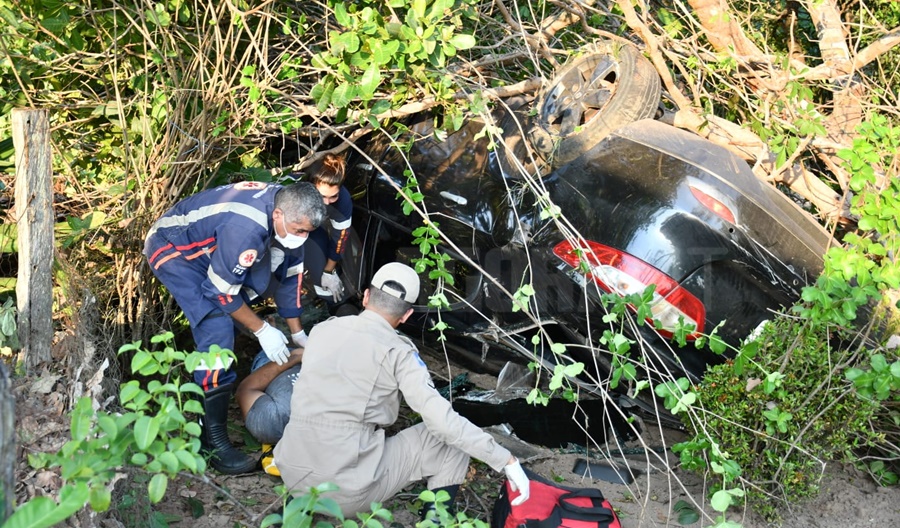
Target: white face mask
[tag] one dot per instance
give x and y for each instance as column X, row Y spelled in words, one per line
column 291, row 241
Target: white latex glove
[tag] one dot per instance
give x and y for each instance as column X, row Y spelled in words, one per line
column 518, row 482
column 332, row 282
column 273, row 343
column 300, row 338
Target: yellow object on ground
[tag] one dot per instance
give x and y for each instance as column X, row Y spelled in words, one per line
column 268, row 460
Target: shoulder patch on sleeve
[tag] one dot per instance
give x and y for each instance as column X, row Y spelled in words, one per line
column 419, row 358
column 247, row 258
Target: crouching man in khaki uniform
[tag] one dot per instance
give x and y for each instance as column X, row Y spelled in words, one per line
column 354, row 370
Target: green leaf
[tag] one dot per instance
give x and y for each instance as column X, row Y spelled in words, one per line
column 381, row 107
column 418, row 8
column 140, row 360
column 721, row 500
column 323, row 101
column 686, row 513
column 462, row 42
column 198, row 509
column 369, row 82
column 8, row 323
column 187, row 459
column 574, row 369
column 340, row 14
column 193, row 406
column 169, row 460
column 716, row 344
column 100, row 498
column 347, row 42
column 129, row 391
column 159, row 16
column 43, row 512
column 685, row 402
column 157, row 487
column 82, row 419
column 343, row 95
column 108, row 426
column 145, row 431
column 193, row 429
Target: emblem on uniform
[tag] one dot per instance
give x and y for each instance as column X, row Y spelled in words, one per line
column 247, row 258
column 249, row 185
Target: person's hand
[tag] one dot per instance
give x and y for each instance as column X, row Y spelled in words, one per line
column 331, row 281
column 273, row 343
column 300, row 338
column 517, row 481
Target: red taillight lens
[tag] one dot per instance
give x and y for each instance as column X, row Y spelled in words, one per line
column 716, row 206
column 618, row 272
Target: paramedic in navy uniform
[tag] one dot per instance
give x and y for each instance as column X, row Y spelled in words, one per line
column 218, row 251
column 325, row 249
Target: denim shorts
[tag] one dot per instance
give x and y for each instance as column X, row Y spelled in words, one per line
column 269, row 414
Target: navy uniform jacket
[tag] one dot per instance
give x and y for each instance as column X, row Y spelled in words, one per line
column 227, row 233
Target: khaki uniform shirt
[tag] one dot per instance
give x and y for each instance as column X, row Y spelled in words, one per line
column 354, row 371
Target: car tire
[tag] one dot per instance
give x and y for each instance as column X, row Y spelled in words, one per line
column 607, row 87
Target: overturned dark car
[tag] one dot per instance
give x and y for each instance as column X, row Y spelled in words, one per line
column 581, row 193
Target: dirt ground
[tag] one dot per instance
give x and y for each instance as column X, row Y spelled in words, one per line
column 654, row 498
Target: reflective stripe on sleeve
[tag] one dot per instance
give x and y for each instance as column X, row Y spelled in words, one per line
column 221, row 284
column 218, row 364
column 295, row 270
column 341, row 225
column 248, row 211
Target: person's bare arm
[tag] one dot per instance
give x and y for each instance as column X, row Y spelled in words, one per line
column 294, row 324
column 255, row 384
column 247, row 317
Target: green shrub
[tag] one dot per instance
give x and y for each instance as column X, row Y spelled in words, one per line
column 783, row 409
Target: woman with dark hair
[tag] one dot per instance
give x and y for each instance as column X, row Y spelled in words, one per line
column 327, row 248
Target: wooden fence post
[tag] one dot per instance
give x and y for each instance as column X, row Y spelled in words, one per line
column 7, row 446
column 34, row 209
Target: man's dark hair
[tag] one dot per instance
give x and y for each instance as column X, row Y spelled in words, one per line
column 387, row 304
column 301, row 200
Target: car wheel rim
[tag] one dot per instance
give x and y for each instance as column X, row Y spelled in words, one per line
column 580, row 94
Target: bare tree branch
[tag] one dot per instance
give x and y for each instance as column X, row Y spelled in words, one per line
column 829, row 25
column 631, row 17
column 876, row 49
column 722, row 29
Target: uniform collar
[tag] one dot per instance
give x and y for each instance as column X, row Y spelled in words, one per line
column 375, row 316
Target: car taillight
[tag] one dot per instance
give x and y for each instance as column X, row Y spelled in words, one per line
column 618, row 272
column 713, row 204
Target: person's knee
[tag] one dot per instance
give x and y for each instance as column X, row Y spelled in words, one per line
column 263, row 421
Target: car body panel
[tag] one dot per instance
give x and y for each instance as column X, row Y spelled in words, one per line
column 631, row 192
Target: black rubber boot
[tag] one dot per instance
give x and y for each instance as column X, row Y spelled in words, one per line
column 225, row 458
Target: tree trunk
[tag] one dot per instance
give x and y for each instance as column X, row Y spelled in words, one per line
column 7, row 445
column 34, row 213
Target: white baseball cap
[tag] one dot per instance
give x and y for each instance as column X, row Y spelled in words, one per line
column 397, row 280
